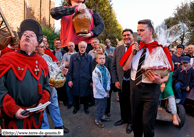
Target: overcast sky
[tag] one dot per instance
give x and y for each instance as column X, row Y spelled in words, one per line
column 128, row 12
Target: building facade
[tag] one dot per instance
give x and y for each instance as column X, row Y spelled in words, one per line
column 17, row 10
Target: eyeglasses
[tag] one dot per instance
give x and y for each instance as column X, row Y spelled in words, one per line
column 42, row 47
column 30, row 35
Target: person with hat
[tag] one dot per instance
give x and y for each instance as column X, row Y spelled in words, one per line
column 67, row 34
column 24, row 80
column 183, row 79
column 176, row 58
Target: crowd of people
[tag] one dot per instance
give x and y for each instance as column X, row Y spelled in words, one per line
column 92, row 70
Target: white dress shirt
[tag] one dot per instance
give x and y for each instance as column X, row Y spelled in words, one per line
column 134, row 65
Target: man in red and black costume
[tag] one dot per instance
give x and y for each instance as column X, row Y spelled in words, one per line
column 24, row 80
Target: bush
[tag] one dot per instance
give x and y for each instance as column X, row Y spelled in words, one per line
column 51, row 36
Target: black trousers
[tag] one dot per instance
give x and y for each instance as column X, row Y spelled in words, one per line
column 84, row 100
column 144, row 101
column 62, row 94
column 124, row 100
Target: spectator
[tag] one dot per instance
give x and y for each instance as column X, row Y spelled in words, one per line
column 58, row 52
column 79, row 77
column 66, row 57
column 186, row 51
column 109, row 48
column 176, row 58
column 121, row 79
column 44, row 40
column 101, row 86
column 66, row 60
column 172, row 51
column 167, row 93
column 183, row 79
column 62, row 94
column 92, row 52
column 48, row 51
column 190, row 54
column 53, row 107
column 100, row 48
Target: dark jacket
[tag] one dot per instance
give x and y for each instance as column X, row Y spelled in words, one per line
column 176, row 59
column 80, row 73
column 184, row 78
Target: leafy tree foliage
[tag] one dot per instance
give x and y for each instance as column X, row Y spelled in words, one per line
column 51, row 36
column 112, row 29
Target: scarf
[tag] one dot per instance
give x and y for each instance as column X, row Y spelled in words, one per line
column 150, row 46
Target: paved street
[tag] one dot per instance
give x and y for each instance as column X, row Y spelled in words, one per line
column 82, row 125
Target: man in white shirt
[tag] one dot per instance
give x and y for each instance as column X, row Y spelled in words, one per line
column 145, row 89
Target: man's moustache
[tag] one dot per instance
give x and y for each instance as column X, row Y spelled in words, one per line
column 28, row 40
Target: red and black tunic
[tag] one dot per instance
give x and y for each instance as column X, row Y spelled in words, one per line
column 24, row 83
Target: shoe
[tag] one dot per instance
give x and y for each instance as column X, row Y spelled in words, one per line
column 120, row 122
column 75, row 111
column 129, row 128
column 91, row 104
column 87, row 111
column 65, row 130
column 106, row 119
column 65, row 103
column 99, row 124
column 69, row 106
column 108, row 114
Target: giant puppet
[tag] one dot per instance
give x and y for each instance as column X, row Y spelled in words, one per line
column 68, row 33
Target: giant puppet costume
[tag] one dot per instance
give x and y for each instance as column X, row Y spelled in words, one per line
column 24, row 82
column 68, row 33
